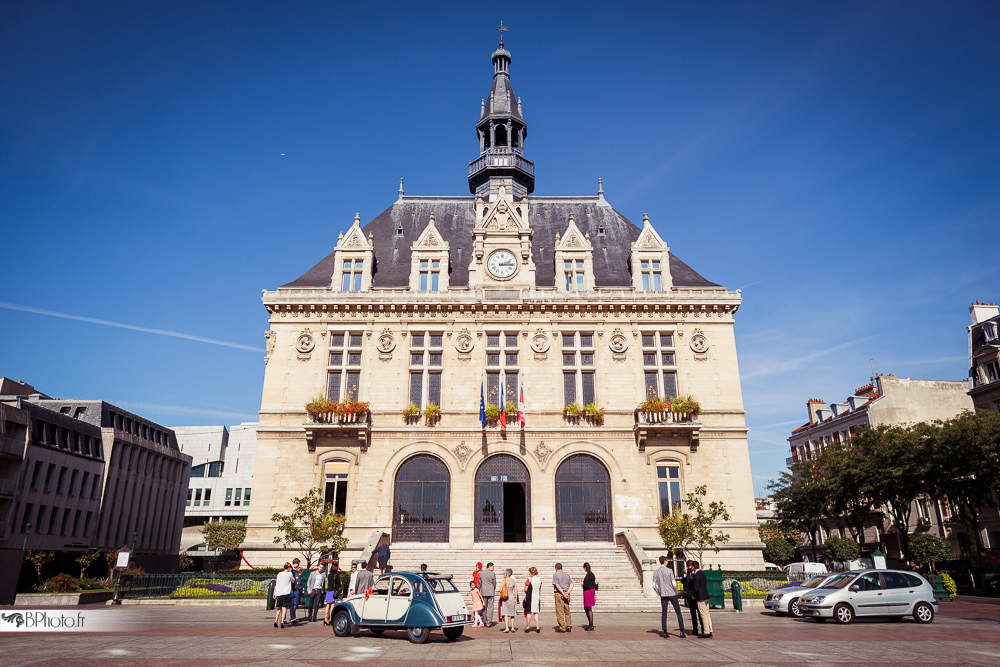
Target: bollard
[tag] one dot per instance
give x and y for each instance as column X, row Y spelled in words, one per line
column 737, row 596
column 270, row 594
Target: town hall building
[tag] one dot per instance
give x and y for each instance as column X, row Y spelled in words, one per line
column 439, row 304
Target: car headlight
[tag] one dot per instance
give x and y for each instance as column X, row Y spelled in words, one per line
column 818, row 599
column 777, row 596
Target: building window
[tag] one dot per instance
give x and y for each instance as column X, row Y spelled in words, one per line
column 96, row 487
column 76, row 523
column 190, row 492
column 61, row 486
column 430, row 275
column 197, row 498
column 335, row 485
column 992, row 371
column 426, row 360
column 26, row 518
column 578, row 368
column 72, row 482
column 239, row 493
column 353, row 269
column 215, row 469
column 990, row 331
column 198, row 471
column 651, row 280
column 48, row 477
column 65, row 521
column 229, row 497
column 659, row 364
column 502, row 358
column 53, row 513
column 208, row 498
column 86, row 524
column 246, row 497
column 668, row 481
column 573, row 275
column 344, row 370
column 35, row 474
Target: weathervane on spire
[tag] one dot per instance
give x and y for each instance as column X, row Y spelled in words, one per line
column 502, row 29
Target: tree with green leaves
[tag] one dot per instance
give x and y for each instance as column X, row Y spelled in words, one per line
column 841, row 549
column 84, row 561
column 702, row 520
column 846, row 481
column 964, row 467
column 226, row 535
column 927, row 548
column 677, row 531
column 779, row 550
column 801, row 498
column 313, row 527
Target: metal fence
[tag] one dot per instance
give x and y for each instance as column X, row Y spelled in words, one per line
column 195, row 585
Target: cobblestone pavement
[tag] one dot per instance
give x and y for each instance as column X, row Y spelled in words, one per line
column 964, row 633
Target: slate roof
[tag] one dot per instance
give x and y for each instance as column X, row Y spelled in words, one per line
column 455, row 219
column 504, row 100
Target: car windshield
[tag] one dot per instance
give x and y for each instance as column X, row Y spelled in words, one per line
column 840, row 581
column 442, row 586
column 814, row 582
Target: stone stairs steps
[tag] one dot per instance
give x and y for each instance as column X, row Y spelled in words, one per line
column 619, row 586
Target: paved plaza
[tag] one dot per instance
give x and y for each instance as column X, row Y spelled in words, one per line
column 964, row 633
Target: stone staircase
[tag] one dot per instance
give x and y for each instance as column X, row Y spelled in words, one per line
column 619, row 586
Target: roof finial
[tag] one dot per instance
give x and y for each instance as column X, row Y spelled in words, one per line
column 400, row 193
column 431, row 221
column 357, row 219
column 502, row 29
column 645, row 219
column 519, row 105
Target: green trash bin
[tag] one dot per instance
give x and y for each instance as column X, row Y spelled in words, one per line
column 737, row 592
column 940, row 592
column 716, row 594
column 270, row 594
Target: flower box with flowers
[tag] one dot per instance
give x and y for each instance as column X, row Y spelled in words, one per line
column 322, row 410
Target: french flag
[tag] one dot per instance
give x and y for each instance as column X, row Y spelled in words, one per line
column 520, row 407
column 503, row 411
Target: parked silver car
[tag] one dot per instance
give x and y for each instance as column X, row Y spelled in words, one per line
column 891, row 593
column 785, row 600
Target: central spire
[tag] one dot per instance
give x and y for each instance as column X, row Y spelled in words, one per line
column 501, row 131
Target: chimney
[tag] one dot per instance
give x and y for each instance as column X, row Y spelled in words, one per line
column 814, row 405
column 981, row 312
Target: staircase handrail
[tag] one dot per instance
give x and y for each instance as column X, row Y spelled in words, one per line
column 377, row 539
column 633, row 549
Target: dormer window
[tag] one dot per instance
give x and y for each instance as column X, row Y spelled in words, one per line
column 651, row 277
column 399, row 230
column 430, row 275
column 353, row 269
column 990, row 331
column 574, row 273
column 600, row 229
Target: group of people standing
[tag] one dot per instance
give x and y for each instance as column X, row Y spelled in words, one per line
column 695, row 591
column 322, row 585
column 484, row 591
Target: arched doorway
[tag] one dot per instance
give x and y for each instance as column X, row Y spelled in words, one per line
column 421, row 509
column 583, row 500
column 503, row 500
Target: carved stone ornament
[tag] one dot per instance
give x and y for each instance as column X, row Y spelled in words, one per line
column 618, row 342
column 464, row 342
column 386, row 343
column 540, row 342
column 542, row 452
column 269, row 337
column 699, row 342
column 305, row 342
column 463, row 452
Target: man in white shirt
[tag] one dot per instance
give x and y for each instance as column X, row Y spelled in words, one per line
column 351, row 590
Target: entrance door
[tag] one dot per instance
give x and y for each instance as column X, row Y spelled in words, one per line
column 421, row 510
column 503, row 500
column 583, row 500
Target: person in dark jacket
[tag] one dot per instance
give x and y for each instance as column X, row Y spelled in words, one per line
column 589, row 596
column 383, row 552
column 692, row 603
column 699, row 588
column 297, row 587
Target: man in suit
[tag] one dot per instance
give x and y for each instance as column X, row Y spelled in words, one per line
column 691, row 602
column 699, row 586
column 665, row 585
column 365, row 580
column 488, row 589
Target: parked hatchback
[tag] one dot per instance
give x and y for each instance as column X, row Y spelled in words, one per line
column 870, row 593
column 785, row 600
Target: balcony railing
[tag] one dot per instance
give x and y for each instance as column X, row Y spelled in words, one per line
column 501, row 158
column 666, row 424
column 333, row 425
column 11, row 446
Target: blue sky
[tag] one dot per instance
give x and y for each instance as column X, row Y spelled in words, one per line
column 836, row 161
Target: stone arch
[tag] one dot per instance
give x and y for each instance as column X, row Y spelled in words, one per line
column 502, row 509
column 610, row 461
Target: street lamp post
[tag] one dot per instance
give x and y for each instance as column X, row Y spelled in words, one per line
column 135, row 534
column 27, row 529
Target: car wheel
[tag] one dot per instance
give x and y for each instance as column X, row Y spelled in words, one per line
column 843, row 613
column 819, row 619
column 454, row 633
column 923, row 613
column 342, row 624
column 418, row 635
column 377, row 631
column 793, row 609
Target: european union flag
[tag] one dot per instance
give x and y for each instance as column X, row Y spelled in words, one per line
column 482, row 405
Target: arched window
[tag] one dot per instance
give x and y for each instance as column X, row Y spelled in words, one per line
column 583, row 500
column 421, row 508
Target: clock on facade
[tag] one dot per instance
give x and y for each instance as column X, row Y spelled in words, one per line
column 501, row 264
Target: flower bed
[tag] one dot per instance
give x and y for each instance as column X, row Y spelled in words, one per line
column 222, row 588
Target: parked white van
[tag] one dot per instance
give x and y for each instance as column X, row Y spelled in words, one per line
column 799, row 571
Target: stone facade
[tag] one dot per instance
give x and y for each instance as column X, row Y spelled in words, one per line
column 984, row 356
column 541, row 296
